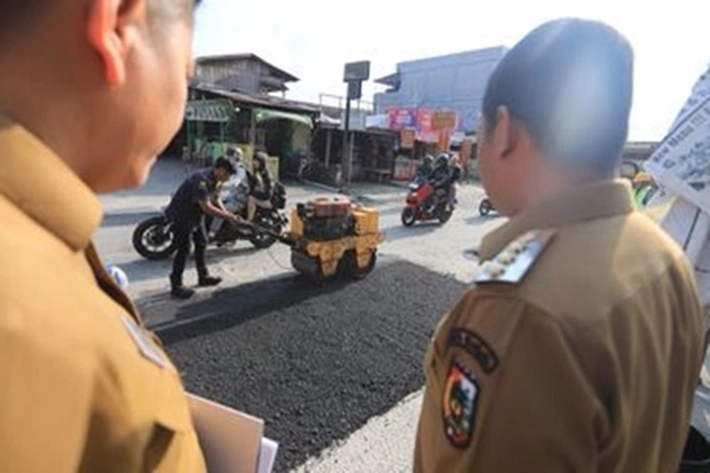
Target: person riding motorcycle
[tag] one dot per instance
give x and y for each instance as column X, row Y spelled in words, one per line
column 440, row 180
column 261, row 185
column 235, row 190
column 233, row 194
column 427, row 166
column 455, row 172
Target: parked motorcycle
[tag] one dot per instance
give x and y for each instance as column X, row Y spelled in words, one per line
column 419, row 206
column 485, row 207
column 153, row 238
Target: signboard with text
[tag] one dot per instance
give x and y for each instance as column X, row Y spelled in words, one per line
column 682, row 161
column 218, row 110
column 402, row 118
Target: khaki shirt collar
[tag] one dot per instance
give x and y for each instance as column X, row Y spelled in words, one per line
column 38, row 182
column 589, row 202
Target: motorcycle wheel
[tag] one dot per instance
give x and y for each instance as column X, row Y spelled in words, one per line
column 444, row 215
column 153, row 238
column 485, row 207
column 270, row 221
column 409, row 216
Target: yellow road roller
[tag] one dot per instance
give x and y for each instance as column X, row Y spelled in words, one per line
column 332, row 236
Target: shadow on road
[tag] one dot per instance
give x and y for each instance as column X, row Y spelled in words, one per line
column 399, row 232
column 477, row 219
column 127, row 219
column 142, row 269
column 233, row 306
column 314, row 362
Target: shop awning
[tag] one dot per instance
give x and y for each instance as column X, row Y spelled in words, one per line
column 264, row 114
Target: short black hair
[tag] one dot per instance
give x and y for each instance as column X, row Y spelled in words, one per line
column 570, row 83
column 16, row 15
column 224, row 163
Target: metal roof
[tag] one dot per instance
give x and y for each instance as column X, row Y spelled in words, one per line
column 244, row 56
column 261, row 100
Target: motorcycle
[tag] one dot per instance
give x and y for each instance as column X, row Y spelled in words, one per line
column 485, row 207
column 153, row 238
column 419, row 206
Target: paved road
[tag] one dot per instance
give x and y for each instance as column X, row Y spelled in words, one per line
column 309, row 342
column 335, row 373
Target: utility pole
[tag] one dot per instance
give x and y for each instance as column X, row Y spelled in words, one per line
column 347, row 149
column 355, row 74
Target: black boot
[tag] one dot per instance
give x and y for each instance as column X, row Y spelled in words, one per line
column 181, row 292
column 206, row 281
column 178, row 291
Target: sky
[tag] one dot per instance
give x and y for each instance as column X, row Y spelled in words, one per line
column 313, row 39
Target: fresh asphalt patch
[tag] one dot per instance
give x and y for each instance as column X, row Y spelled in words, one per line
column 314, row 362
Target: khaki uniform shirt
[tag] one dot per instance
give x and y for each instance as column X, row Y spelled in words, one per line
column 83, row 386
column 578, row 350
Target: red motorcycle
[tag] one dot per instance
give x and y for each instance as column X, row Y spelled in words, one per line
column 419, row 206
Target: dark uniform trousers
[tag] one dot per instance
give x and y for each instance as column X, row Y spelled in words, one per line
column 184, row 231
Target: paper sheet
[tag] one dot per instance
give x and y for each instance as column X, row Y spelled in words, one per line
column 230, row 440
column 267, row 455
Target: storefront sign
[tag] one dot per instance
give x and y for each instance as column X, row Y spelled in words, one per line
column 377, row 121
column 408, row 138
column 402, row 118
column 209, row 110
column 444, row 120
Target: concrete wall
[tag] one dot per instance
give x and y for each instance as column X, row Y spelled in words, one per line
column 453, row 82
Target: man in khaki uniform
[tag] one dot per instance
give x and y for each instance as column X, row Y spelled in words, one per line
column 579, row 348
column 90, row 92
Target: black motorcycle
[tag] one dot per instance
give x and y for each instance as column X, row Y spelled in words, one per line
column 153, row 238
column 485, row 207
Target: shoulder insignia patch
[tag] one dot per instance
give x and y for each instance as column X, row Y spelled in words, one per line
column 145, row 347
column 459, row 405
column 515, row 260
column 475, row 346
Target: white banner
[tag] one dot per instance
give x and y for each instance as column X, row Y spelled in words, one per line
column 682, row 162
column 681, row 166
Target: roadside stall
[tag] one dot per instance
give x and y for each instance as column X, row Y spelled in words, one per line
column 216, row 120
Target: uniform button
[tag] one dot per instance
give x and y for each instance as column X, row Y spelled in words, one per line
column 507, row 258
column 496, row 270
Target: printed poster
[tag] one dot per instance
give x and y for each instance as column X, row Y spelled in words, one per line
column 681, row 163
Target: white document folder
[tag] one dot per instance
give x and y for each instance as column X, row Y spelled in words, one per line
column 231, row 440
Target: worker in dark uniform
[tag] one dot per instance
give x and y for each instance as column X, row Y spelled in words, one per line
column 195, row 198
column 580, row 346
column 97, row 88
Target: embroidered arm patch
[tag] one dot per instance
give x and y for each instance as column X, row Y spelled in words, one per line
column 459, row 405
column 475, row 346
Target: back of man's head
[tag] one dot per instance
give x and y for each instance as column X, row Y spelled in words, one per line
column 224, row 163
column 569, row 82
column 17, row 16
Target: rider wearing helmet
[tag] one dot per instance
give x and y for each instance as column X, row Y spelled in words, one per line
column 427, row 166
column 440, row 175
column 440, row 180
column 261, row 185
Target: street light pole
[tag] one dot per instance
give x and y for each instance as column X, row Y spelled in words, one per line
column 355, row 74
column 347, row 151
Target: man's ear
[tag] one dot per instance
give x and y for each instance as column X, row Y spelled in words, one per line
column 108, row 30
column 506, row 133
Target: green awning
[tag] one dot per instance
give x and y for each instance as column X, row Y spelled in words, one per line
column 264, row 114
